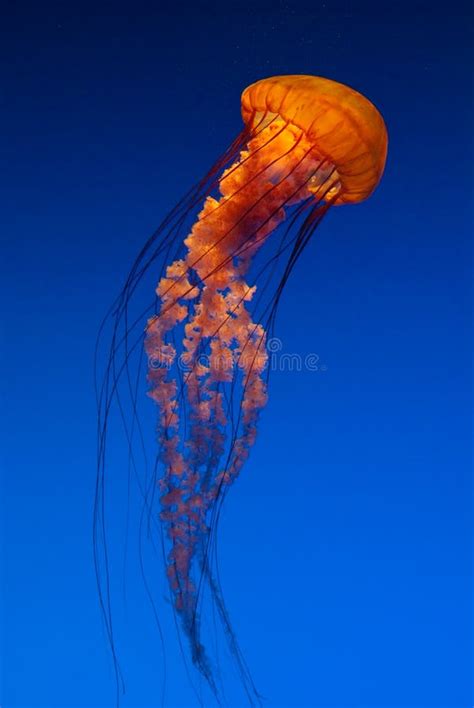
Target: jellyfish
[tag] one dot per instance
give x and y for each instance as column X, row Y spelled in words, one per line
column 308, row 144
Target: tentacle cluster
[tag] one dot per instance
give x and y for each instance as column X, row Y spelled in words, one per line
column 205, row 331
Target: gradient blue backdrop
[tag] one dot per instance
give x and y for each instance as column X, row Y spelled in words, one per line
column 345, row 545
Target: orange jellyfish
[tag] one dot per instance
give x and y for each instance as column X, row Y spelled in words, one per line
column 307, row 144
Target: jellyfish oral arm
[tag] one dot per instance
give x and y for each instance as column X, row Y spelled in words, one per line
column 205, row 295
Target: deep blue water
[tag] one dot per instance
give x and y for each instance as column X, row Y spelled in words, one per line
column 345, row 546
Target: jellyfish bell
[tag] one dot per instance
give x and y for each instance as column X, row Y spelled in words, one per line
column 343, row 125
column 307, row 144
